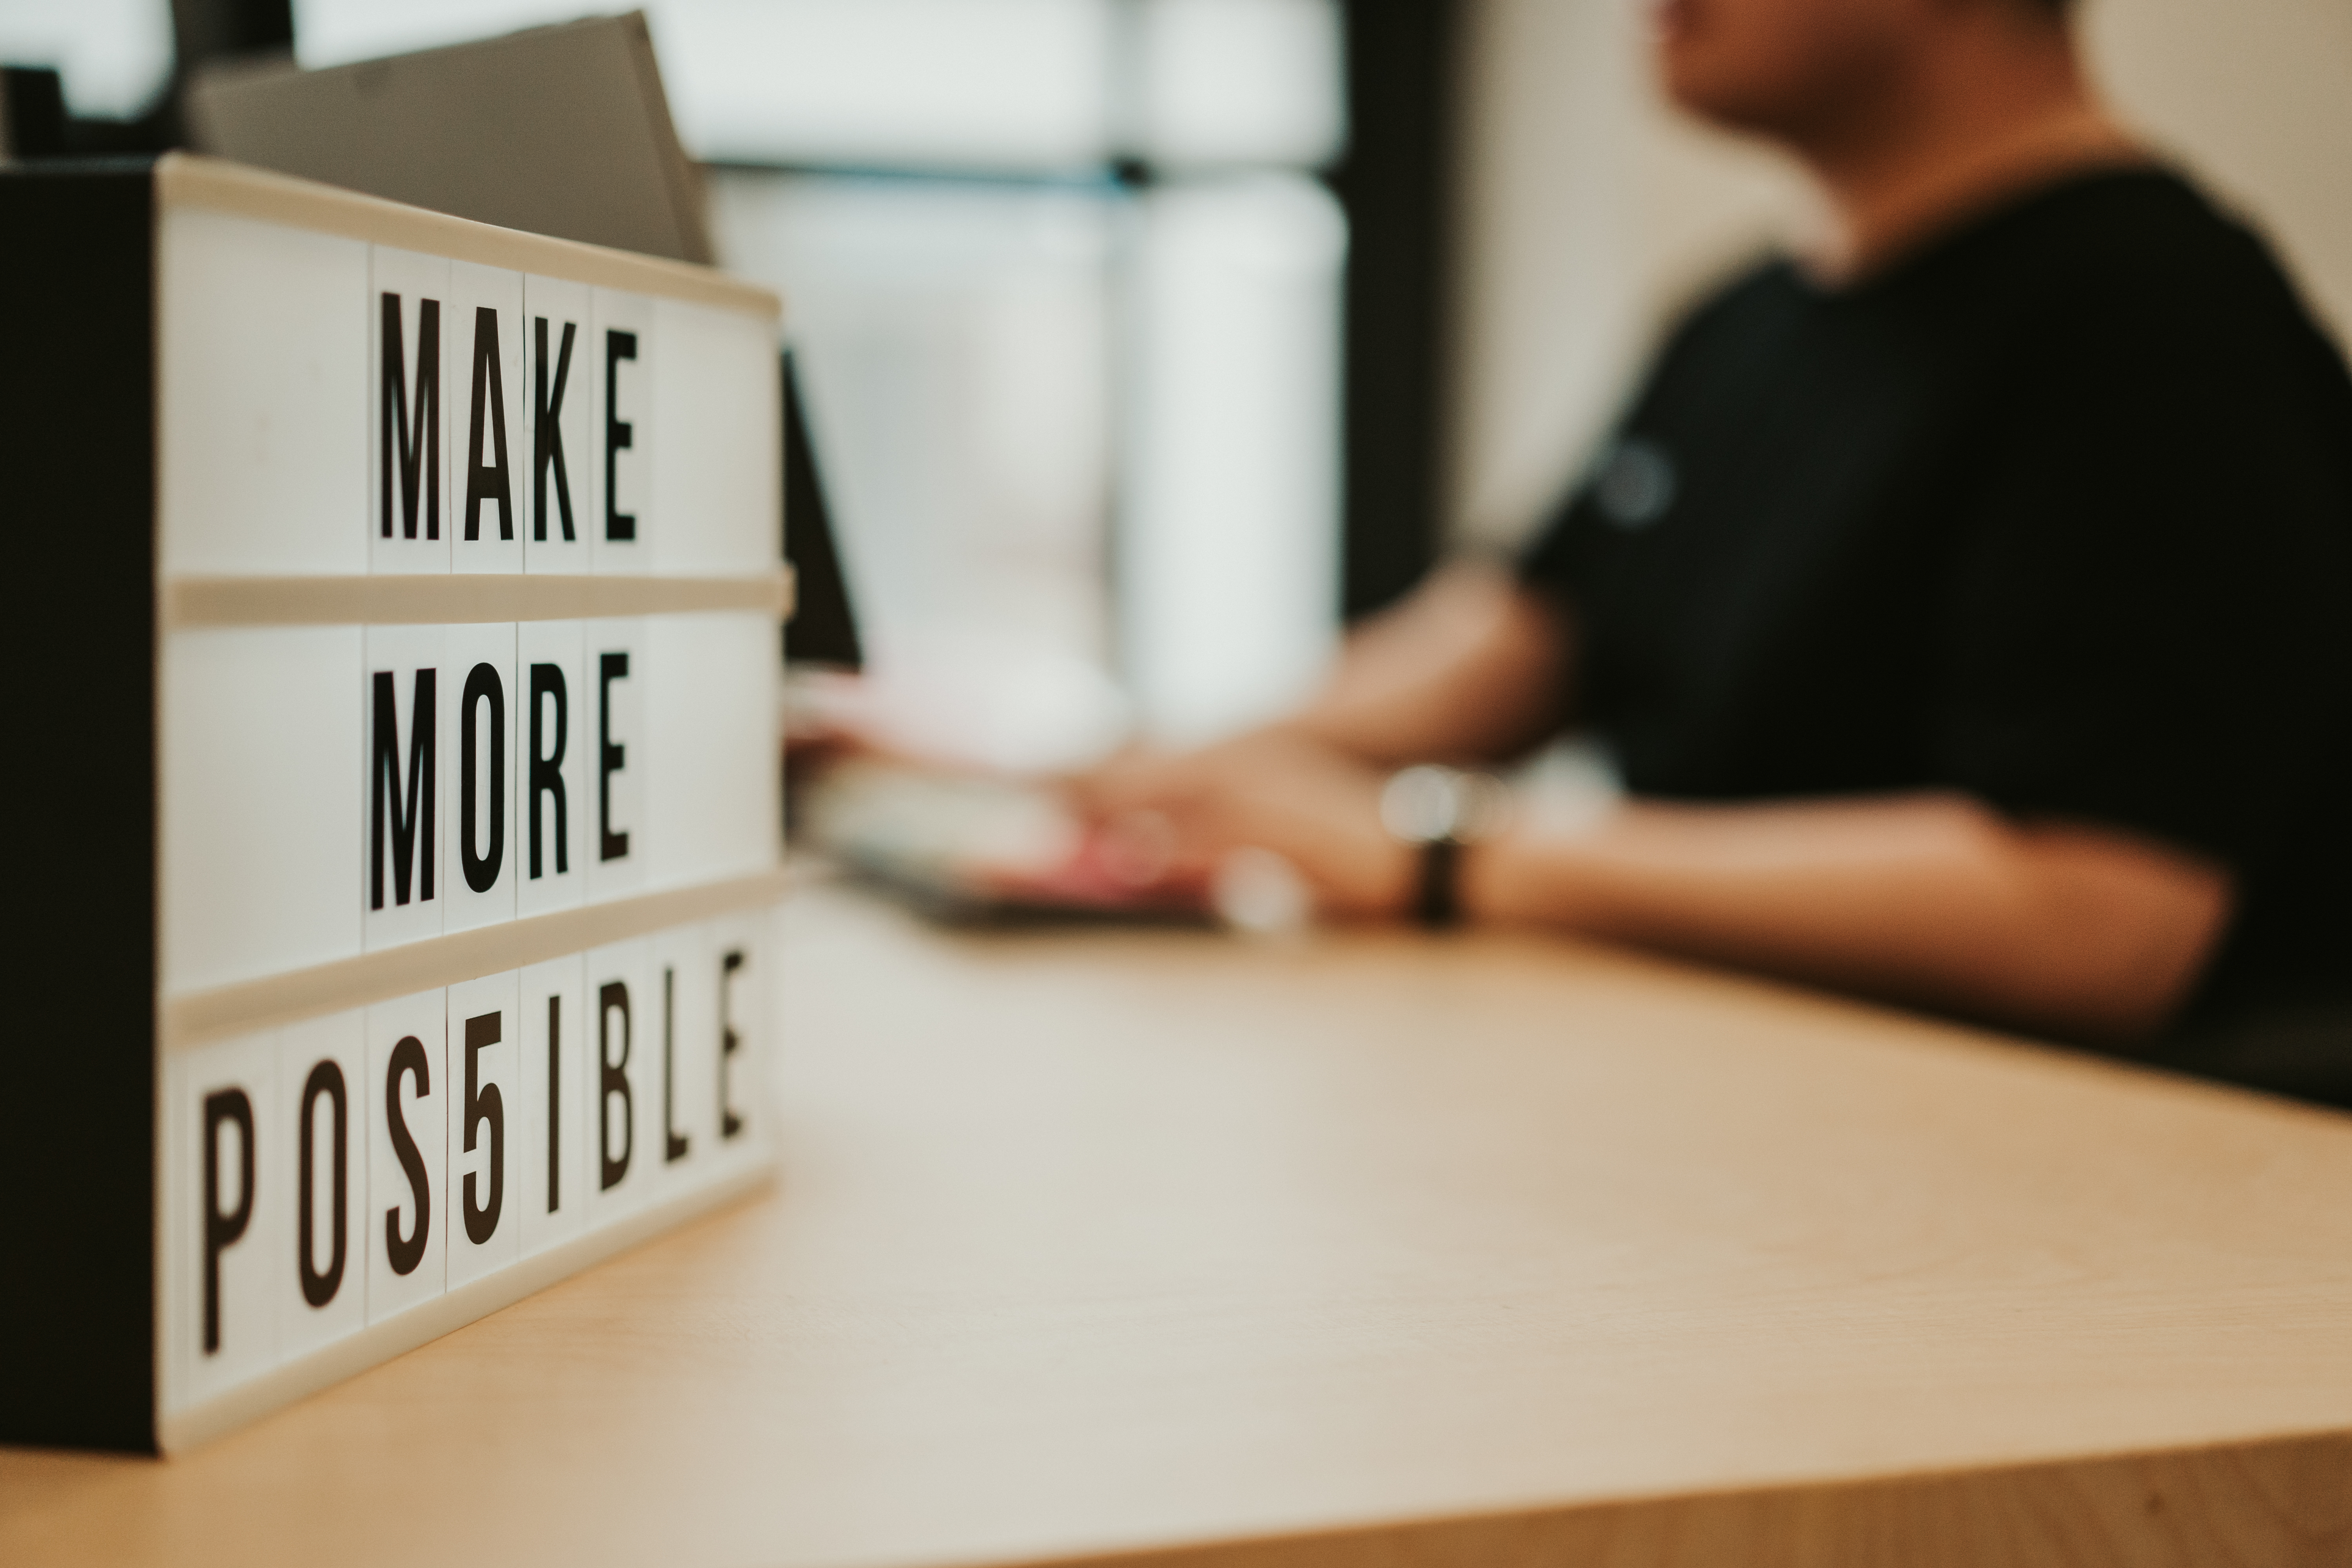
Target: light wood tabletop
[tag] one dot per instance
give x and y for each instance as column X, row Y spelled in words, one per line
column 1375, row 1248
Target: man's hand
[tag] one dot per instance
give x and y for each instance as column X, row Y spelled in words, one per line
column 1277, row 790
column 1471, row 665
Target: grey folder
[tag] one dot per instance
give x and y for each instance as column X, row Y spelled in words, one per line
column 561, row 131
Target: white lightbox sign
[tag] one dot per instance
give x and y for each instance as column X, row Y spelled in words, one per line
column 456, row 726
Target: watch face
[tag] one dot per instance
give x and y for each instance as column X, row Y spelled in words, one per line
column 1482, row 805
column 1417, row 806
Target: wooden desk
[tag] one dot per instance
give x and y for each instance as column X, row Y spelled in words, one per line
column 1377, row 1249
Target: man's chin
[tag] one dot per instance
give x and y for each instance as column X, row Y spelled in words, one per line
column 1720, row 103
column 1697, row 95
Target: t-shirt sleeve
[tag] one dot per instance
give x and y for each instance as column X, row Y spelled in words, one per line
column 1552, row 561
column 1569, row 548
column 2147, row 622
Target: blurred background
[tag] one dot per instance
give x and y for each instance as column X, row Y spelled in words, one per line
column 1147, row 341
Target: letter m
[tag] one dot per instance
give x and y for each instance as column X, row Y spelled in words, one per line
column 410, row 439
column 408, row 814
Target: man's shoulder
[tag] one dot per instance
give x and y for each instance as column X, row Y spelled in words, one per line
column 2132, row 247
column 2133, row 290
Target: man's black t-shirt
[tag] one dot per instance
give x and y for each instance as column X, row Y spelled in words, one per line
column 2057, row 512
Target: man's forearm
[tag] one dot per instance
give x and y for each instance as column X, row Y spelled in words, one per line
column 1472, row 666
column 1928, row 899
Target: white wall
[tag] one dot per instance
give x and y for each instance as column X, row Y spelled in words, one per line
column 1591, row 211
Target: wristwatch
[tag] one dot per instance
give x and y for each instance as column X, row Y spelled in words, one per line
column 1438, row 810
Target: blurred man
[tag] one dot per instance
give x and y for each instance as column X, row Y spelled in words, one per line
column 1969, row 608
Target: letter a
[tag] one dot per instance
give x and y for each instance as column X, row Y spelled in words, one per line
column 488, row 482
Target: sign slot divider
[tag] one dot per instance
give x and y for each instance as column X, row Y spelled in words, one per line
column 226, row 1011
column 192, row 603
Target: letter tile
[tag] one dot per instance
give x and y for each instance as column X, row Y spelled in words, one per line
column 620, row 755
column 487, row 1189
column 322, row 1203
column 555, row 1075
column 625, row 440
column 405, row 689
column 409, row 1092
column 261, row 802
column 410, row 383
column 481, row 714
column 685, row 981
column 744, row 985
column 563, row 478
column 625, row 1081
column 555, row 741
column 225, row 1165
column 490, row 467
column 263, row 396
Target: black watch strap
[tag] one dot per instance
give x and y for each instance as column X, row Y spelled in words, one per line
column 1440, row 905
column 1437, row 810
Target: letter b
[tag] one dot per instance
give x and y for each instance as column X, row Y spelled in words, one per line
column 613, row 1081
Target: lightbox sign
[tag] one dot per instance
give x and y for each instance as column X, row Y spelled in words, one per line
column 461, row 743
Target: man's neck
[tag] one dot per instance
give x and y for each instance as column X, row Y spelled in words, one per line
column 1974, row 127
